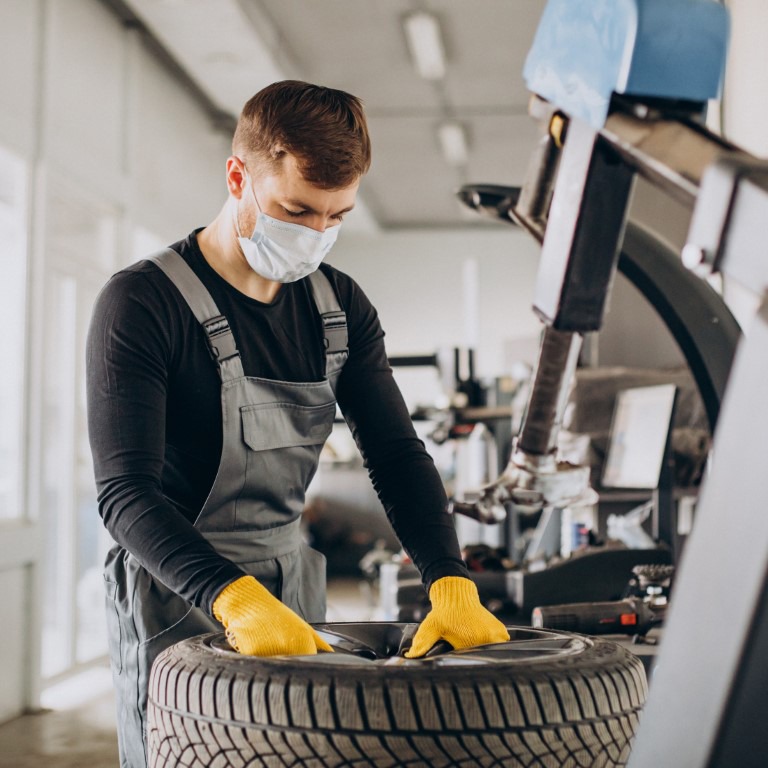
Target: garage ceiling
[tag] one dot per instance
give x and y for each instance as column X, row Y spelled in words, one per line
column 360, row 46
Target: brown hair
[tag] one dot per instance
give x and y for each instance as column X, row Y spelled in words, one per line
column 323, row 128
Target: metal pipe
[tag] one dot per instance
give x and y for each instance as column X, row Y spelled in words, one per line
column 536, row 194
column 531, row 209
column 558, row 356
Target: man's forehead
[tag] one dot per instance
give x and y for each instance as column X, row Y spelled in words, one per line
column 294, row 188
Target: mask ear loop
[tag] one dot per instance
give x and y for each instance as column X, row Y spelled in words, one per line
column 237, row 223
column 253, row 195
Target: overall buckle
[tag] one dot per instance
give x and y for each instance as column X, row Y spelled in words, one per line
column 221, row 342
column 335, row 332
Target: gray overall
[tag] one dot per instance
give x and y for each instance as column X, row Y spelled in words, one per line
column 273, row 432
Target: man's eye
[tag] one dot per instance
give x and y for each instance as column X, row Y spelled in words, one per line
column 295, row 214
column 338, row 217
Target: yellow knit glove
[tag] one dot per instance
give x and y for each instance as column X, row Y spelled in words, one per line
column 458, row 617
column 258, row 624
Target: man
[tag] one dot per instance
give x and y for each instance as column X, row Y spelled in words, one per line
column 214, row 369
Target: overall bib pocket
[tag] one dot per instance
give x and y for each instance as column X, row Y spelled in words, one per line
column 288, row 425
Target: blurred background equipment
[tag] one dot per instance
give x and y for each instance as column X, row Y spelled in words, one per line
column 642, row 609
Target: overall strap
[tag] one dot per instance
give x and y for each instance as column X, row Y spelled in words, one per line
column 221, row 341
column 334, row 320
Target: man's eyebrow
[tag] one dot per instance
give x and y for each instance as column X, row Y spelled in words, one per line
column 310, row 209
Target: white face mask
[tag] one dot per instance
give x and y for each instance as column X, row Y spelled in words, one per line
column 283, row 251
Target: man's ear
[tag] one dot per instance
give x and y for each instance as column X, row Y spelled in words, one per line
column 236, row 178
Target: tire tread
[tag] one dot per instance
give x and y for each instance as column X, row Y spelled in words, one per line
column 203, row 714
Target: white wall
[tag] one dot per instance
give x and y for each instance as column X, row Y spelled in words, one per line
column 746, row 88
column 112, row 152
column 416, row 280
column 176, row 160
column 745, row 110
column 82, row 97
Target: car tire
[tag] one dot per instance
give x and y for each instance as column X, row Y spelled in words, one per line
column 546, row 698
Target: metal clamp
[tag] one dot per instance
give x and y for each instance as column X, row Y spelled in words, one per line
column 529, row 483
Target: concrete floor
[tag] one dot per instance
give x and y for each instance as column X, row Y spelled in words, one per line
column 80, row 737
column 77, row 728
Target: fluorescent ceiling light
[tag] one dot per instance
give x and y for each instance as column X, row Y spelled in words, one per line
column 426, row 45
column 453, row 143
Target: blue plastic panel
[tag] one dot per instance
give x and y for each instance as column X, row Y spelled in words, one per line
column 586, row 50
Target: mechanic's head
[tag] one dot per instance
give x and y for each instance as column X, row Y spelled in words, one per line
column 322, row 128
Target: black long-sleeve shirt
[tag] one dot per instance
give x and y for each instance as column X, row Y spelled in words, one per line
column 154, row 416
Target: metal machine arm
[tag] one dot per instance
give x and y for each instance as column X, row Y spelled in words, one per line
column 575, row 202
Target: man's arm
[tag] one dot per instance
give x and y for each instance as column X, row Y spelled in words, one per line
column 410, row 488
column 128, row 358
column 402, row 472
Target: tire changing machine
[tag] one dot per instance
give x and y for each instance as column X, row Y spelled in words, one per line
column 621, row 90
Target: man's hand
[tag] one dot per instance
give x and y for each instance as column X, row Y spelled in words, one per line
column 258, row 624
column 458, row 617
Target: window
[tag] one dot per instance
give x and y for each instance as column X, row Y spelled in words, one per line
column 79, row 253
column 13, row 311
